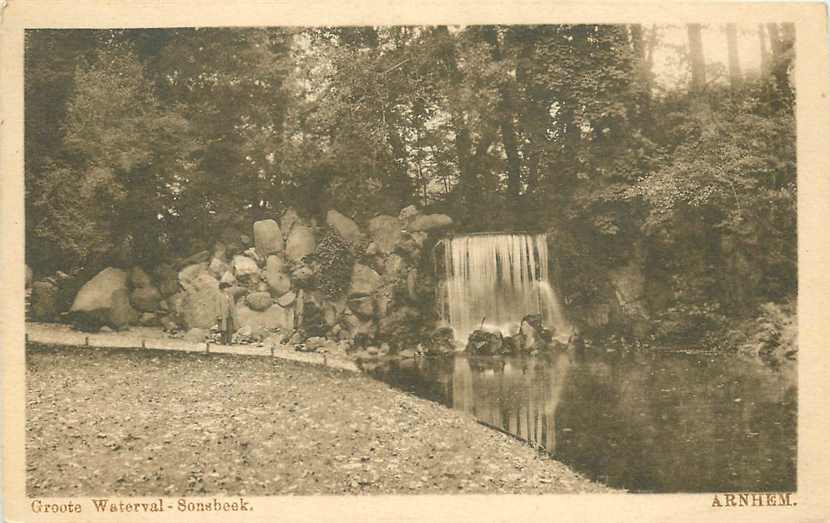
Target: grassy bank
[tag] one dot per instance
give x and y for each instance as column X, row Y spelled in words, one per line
column 124, row 422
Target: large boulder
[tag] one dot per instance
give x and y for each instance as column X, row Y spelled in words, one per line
column 275, row 276
column 274, row 317
column 267, row 237
column 300, row 242
column 365, row 280
column 139, row 278
column 29, row 277
column 103, row 300
column 345, row 227
column 482, row 342
column 145, row 299
column 44, row 301
column 218, row 266
column 196, row 276
column 385, row 232
column 122, row 314
column 244, row 266
column 259, row 301
column 408, row 214
column 200, row 309
column 429, row 222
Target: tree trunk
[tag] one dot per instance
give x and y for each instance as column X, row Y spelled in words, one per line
column 696, row 59
column 735, row 78
column 508, row 132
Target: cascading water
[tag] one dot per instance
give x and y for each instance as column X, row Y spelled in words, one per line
column 495, row 280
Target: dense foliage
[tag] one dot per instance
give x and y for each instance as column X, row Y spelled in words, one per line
column 151, row 141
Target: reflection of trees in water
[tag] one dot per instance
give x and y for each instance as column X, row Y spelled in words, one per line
column 679, row 423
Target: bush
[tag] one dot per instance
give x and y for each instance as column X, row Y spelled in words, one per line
column 336, row 261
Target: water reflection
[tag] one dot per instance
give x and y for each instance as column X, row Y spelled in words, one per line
column 644, row 421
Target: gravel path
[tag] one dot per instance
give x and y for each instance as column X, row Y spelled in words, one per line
column 140, row 423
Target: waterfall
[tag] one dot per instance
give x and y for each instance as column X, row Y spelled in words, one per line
column 498, row 278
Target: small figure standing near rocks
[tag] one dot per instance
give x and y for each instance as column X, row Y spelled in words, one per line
column 227, row 319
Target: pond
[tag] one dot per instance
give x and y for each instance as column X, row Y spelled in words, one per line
column 643, row 421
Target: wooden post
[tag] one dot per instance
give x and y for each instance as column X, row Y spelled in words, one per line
column 143, row 344
column 325, row 360
column 272, row 350
column 207, row 347
column 86, row 341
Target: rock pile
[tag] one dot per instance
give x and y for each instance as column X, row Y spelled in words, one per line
column 336, row 281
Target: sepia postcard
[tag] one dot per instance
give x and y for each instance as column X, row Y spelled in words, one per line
column 414, row 261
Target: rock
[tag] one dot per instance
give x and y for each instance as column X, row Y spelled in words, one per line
column 407, row 214
column 300, row 242
column 168, row 280
column 253, row 254
column 392, row 267
column 441, row 341
column 419, row 238
column 237, row 291
column 302, row 275
column 122, row 314
column 365, row 280
column 44, row 301
column 29, row 277
column 275, row 276
column 228, row 279
column 189, row 277
column 245, row 332
column 104, row 300
column 105, row 330
column 145, row 299
column 382, row 302
column 482, row 342
column 245, row 240
column 167, row 324
column 345, row 227
column 274, row 317
column 532, row 333
column 259, row 301
column 372, row 249
column 196, row 335
column 287, row 299
column 200, row 308
column 408, row 246
column 429, row 222
column 385, row 232
column 267, row 237
column 148, row 319
column 139, row 279
column 218, row 266
column 363, row 306
column 244, row 266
